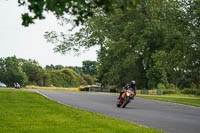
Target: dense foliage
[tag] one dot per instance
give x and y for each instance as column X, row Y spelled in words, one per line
column 11, row 72
column 80, row 9
column 66, row 78
column 156, row 42
column 90, row 80
column 29, row 72
column 90, row 67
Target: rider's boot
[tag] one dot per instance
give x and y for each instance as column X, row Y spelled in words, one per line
column 120, row 95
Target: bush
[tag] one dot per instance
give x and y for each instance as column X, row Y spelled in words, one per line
column 188, row 91
column 161, row 86
column 172, row 86
column 89, row 79
column 191, row 91
column 198, row 92
column 194, row 86
column 170, row 91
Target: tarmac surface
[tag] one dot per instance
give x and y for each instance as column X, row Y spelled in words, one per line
column 169, row 117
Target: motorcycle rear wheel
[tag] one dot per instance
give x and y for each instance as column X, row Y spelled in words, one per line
column 118, row 104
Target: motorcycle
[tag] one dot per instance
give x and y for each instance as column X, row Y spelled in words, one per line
column 17, row 86
column 126, row 98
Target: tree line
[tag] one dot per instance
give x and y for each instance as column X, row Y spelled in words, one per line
column 155, row 42
column 29, row 72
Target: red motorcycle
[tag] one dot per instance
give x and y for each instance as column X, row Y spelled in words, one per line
column 126, row 98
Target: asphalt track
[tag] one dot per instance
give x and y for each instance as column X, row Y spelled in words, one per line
column 169, row 117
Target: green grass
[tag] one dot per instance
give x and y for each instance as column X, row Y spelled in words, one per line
column 46, row 89
column 175, row 98
column 6, row 88
column 29, row 112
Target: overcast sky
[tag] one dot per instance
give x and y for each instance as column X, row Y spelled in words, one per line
column 29, row 43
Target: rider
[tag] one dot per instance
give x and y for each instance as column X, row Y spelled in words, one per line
column 130, row 86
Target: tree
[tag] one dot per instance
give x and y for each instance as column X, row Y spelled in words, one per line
column 66, row 77
column 50, row 67
column 90, row 67
column 81, row 10
column 11, row 72
column 132, row 41
column 155, row 42
column 89, row 79
column 35, row 72
column 77, row 69
column 58, row 67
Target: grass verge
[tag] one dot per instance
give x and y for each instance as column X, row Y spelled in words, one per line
column 181, row 99
column 29, row 112
column 51, row 88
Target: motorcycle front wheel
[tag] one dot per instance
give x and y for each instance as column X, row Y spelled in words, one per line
column 125, row 103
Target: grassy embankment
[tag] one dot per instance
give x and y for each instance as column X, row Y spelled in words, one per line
column 175, row 98
column 29, row 112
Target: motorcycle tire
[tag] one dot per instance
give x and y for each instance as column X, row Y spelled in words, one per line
column 125, row 103
column 119, row 104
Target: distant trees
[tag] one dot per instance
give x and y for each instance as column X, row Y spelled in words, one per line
column 66, row 78
column 90, row 67
column 11, row 71
column 52, row 67
column 35, row 73
column 88, row 71
column 29, row 72
column 77, row 69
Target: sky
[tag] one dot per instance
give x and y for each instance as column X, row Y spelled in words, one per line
column 29, row 43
